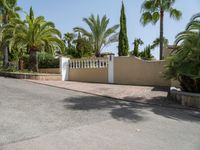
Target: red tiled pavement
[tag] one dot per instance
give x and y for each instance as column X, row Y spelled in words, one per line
column 144, row 94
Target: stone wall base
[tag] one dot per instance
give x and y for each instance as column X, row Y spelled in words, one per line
column 185, row 98
column 55, row 77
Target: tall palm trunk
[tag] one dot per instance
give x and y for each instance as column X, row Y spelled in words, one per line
column 5, row 46
column 33, row 62
column 98, row 54
column 97, row 50
column 5, row 55
column 161, row 32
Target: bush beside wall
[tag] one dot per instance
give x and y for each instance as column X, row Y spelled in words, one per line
column 45, row 60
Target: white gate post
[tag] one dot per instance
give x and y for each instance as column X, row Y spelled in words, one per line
column 64, row 68
column 111, row 69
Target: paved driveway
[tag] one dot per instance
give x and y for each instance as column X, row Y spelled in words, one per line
column 38, row 117
column 142, row 94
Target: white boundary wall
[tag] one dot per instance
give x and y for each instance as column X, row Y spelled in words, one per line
column 119, row 70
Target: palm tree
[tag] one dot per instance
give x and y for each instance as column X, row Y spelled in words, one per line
column 192, row 30
column 154, row 10
column 8, row 10
column 34, row 34
column 184, row 64
column 99, row 35
column 69, row 37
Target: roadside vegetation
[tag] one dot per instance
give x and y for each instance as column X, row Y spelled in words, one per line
column 32, row 43
column 184, row 63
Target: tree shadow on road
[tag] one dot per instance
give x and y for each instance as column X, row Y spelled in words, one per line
column 130, row 111
column 119, row 110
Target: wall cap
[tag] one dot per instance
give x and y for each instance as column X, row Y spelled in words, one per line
column 178, row 91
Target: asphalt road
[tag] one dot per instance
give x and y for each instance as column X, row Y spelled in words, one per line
column 38, row 117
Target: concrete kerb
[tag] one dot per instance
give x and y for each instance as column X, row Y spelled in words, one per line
column 120, row 99
column 185, row 98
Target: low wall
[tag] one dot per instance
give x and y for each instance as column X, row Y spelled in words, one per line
column 131, row 70
column 50, row 70
column 185, row 98
column 99, row 75
column 32, row 76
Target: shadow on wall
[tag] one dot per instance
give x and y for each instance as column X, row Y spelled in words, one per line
column 128, row 111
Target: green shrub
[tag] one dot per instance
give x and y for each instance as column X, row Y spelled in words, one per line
column 25, row 58
column 184, row 64
column 45, row 60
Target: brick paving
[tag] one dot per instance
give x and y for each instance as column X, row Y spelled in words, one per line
column 143, row 94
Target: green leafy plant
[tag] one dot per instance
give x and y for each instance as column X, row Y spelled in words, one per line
column 137, row 43
column 46, row 60
column 184, row 63
column 146, row 53
column 78, row 46
column 69, row 38
column 83, row 47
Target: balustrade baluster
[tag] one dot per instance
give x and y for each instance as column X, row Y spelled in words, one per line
column 79, row 64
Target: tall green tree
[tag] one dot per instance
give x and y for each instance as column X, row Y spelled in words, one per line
column 83, row 47
column 137, row 43
column 154, row 10
column 8, row 10
column 99, row 35
column 123, row 46
column 35, row 34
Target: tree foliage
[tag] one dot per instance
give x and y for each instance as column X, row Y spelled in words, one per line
column 78, row 46
column 33, row 34
column 123, row 47
column 137, row 43
column 154, row 10
column 146, row 53
column 69, row 38
column 83, row 47
column 99, row 35
column 184, row 64
column 8, row 10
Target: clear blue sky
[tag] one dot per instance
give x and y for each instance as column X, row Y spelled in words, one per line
column 67, row 14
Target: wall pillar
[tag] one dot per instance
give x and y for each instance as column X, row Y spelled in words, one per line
column 64, row 65
column 111, row 69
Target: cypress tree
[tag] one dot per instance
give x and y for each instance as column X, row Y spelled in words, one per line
column 136, row 50
column 123, row 47
column 137, row 43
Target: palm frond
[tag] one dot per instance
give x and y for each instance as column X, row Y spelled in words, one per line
column 146, row 18
column 175, row 14
column 82, row 30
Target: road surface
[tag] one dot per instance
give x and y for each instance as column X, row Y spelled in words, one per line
column 38, row 117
